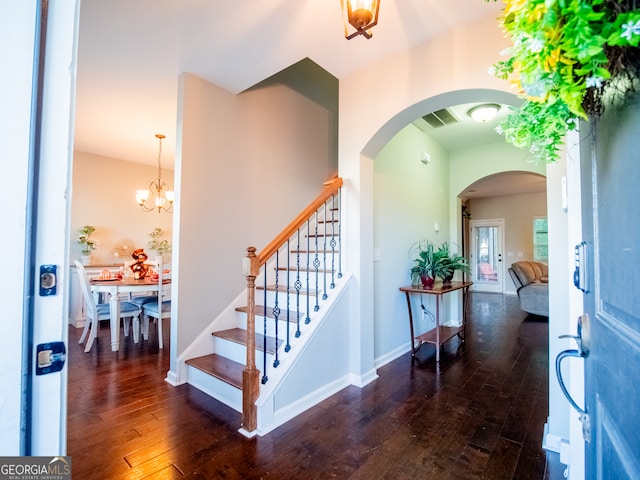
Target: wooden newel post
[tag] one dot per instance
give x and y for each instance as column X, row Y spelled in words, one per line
column 250, row 375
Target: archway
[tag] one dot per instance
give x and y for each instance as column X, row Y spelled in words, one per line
column 412, row 200
column 505, row 206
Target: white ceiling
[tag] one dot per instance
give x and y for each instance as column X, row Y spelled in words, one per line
column 131, row 54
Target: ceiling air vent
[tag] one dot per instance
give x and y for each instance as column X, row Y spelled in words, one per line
column 440, row 118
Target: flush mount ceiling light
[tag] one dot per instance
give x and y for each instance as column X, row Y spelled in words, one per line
column 361, row 15
column 483, row 113
column 162, row 196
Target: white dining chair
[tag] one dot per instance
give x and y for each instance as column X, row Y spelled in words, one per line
column 161, row 306
column 101, row 311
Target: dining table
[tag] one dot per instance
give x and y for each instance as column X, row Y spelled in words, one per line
column 115, row 287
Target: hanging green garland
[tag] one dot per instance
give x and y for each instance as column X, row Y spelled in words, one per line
column 564, row 57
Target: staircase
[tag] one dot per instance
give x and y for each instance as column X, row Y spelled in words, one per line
column 260, row 351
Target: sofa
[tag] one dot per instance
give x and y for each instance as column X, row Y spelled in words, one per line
column 531, row 281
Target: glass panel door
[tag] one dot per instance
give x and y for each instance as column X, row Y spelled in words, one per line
column 486, row 256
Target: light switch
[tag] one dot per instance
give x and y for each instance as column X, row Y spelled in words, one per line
column 377, row 254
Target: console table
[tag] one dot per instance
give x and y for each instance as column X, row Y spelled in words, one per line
column 440, row 333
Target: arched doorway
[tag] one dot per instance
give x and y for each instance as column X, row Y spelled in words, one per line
column 500, row 211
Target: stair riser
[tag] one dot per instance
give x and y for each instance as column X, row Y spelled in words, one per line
column 326, row 261
column 297, row 303
column 292, row 301
column 237, row 352
column 270, row 299
column 305, row 277
column 216, row 388
column 271, row 326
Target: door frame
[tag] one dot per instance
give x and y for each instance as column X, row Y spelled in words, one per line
column 39, row 119
column 479, row 285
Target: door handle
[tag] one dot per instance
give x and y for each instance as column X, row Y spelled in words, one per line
column 561, row 356
column 583, row 341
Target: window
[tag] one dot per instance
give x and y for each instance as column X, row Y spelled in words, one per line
column 540, row 240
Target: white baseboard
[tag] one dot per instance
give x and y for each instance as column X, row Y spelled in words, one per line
column 172, row 379
column 392, row 355
column 301, row 405
column 363, row 380
column 247, row 433
column 550, row 442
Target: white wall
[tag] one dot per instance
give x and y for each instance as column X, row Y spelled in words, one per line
column 248, row 164
column 423, row 79
column 409, row 199
column 103, row 195
column 440, row 73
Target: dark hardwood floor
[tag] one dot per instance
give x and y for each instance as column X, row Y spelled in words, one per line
column 479, row 414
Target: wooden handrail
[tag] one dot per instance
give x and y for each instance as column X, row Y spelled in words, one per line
column 330, row 188
column 251, row 268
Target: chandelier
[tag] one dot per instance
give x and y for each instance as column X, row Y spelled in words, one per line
column 162, row 197
column 361, row 15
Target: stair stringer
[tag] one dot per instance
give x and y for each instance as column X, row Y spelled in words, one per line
column 317, row 366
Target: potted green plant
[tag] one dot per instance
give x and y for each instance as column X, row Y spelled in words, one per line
column 428, row 263
column 450, row 263
column 87, row 243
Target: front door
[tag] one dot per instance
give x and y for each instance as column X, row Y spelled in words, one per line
column 487, row 239
column 611, row 230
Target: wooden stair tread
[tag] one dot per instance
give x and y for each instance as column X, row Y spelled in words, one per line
column 239, row 335
column 260, row 312
column 283, row 288
column 220, row 367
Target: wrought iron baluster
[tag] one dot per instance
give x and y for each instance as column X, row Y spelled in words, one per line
column 264, row 317
column 308, row 319
column 298, row 286
column 316, row 264
column 333, row 242
column 340, row 233
column 288, row 345
column 324, row 252
column 276, row 310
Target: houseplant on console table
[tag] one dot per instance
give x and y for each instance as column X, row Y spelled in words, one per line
column 451, row 262
column 428, row 264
